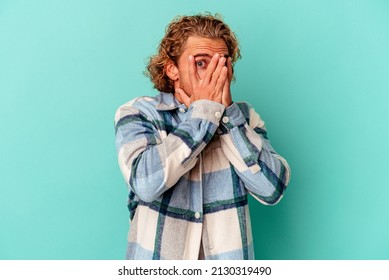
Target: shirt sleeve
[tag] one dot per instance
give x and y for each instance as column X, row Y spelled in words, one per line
column 244, row 141
column 151, row 160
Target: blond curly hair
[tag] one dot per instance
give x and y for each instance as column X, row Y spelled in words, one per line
column 177, row 32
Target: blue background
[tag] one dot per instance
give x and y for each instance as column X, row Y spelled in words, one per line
column 316, row 71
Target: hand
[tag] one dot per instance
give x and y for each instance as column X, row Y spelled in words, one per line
column 211, row 86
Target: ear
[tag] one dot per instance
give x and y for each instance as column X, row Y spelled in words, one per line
column 172, row 71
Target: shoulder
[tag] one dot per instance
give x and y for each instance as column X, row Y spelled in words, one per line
column 140, row 102
column 140, row 105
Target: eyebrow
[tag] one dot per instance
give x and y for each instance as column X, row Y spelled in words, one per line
column 208, row 55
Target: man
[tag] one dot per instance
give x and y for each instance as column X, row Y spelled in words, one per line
column 191, row 155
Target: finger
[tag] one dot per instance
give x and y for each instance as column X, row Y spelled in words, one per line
column 192, row 71
column 218, row 70
column 227, row 99
column 229, row 73
column 182, row 96
column 230, row 70
column 226, row 86
column 221, row 80
column 211, row 68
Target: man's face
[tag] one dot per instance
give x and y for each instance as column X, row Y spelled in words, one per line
column 202, row 49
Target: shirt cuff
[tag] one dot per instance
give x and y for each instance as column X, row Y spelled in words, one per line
column 208, row 110
column 231, row 118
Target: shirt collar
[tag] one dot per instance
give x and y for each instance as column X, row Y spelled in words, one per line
column 167, row 102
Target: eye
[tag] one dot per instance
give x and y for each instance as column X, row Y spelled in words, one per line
column 200, row 64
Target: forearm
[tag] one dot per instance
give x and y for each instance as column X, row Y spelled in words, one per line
column 264, row 173
column 153, row 161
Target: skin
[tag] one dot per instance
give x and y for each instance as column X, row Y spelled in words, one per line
column 203, row 71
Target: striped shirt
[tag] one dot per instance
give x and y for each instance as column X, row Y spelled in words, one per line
column 189, row 171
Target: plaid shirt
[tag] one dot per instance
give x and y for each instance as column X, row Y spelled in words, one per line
column 189, row 171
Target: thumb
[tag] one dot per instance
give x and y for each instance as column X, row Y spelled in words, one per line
column 182, row 96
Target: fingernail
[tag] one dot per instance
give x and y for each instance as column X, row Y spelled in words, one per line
column 216, row 56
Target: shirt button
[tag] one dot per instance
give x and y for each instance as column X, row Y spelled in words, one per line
column 225, row 119
column 218, row 115
column 182, row 110
column 197, row 215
